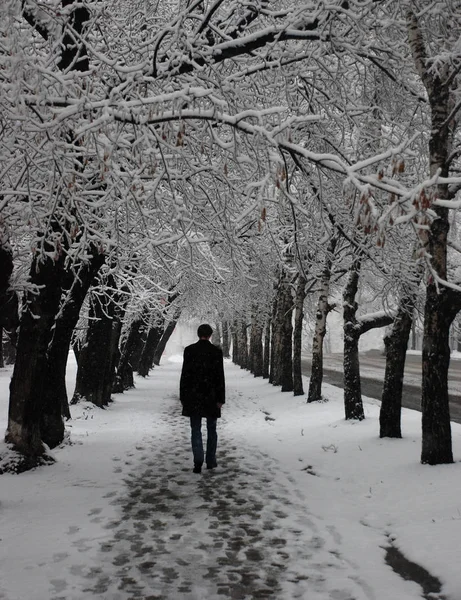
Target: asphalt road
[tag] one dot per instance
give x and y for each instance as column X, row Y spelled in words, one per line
column 372, row 366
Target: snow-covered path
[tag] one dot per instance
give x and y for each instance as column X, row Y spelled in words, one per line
column 242, row 531
column 302, row 504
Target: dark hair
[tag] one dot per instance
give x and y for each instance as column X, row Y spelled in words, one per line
column 204, row 331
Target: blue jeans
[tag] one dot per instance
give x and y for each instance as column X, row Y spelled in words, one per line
column 197, row 443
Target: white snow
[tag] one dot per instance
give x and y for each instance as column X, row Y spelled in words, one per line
column 326, row 496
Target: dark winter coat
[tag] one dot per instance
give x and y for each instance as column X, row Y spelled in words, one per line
column 202, row 383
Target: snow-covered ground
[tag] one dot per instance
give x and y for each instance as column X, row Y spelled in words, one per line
column 302, row 505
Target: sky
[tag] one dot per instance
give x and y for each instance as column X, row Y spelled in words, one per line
column 302, row 505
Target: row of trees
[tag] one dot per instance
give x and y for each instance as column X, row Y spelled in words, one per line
column 227, row 158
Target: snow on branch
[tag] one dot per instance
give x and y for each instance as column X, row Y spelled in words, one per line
column 375, row 320
column 38, row 18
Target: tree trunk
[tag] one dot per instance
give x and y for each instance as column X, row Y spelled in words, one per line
column 8, row 300
column 30, row 369
column 298, row 389
column 442, row 304
column 10, row 342
column 6, row 268
column 251, row 344
column 225, row 340
column 235, row 350
column 275, row 374
column 27, row 387
column 323, row 308
column 256, row 345
column 440, row 310
column 267, row 344
column 151, row 351
column 281, row 367
column 124, row 379
column 353, row 329
column 96, row 367
column 352, row 389
column 242, row 343
column 10, row 329
column 146, row 361
column 139, row 343
column 56, row 403
column 287, row 340
column 396, row 344
column 164, row 339
column 413, row 335
column 76, row 348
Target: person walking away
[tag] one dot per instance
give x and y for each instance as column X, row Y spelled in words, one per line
column 202, row 394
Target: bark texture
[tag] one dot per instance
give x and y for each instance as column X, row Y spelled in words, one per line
column 282, row 338
column 9, row 326
column 440, row 309
column 267, row 345
column 139, row 343
column 274, row 366
column 8, row 304
column 225, row 340
column 353, row 405
column 353, row 329
column 146, row 361
column 30, row 369
column 96, row 368
column 300, row 296
column 287, row 346
column 256, row 344
column 240, row 338
column 6, row 268
column 235, row 350
column 124, row 379
column 396, row 343
column 56, row 405
column 323, row 308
